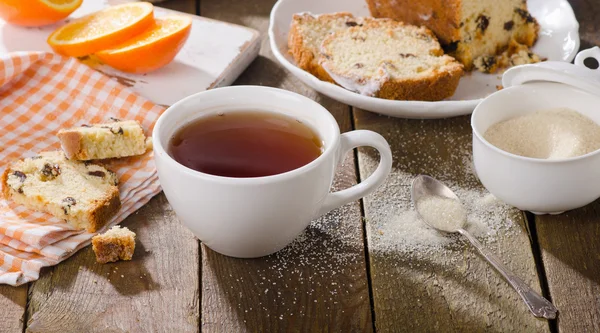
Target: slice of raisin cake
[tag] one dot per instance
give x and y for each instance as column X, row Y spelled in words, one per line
column 308, row 31
column 468, row 29
column 118, row 243
column 388, row 59
column 99, row 141
column 83, row 194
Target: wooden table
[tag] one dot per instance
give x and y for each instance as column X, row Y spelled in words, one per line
column 349, row 272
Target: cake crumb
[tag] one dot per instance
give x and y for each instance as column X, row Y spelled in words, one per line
column 115, row 244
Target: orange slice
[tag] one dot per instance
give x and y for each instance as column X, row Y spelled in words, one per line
column 102, row 30
column 152, row 49
column 35, row 13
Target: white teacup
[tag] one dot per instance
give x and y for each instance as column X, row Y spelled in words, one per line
column 253, row 217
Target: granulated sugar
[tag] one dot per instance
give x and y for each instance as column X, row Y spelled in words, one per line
column 441, row 149
column 405, row 233
column 549, row 134
column 402, row 232
column 442, row 213
column 324, row 265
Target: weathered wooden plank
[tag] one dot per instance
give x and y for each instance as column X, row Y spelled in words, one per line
column 570, row 242
column 586, row 12
column 570, row 247
column 158, row 291
column 319, row 282
column 185, row 6
column 423, row 282
column 12, row 303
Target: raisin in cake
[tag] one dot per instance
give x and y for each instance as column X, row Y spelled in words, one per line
column 468, row 29
column 100, row 141
column 308, row 31
column 388, row 59
column 516, row 54
column 115, row 244
column 83, row 194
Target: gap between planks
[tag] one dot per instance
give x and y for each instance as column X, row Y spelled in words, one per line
column 26, row 310
column 197, row 12
column 363, row 225
column 539, row 264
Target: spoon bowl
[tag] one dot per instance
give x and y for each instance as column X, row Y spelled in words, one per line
column 426, row 193
column 424, row 185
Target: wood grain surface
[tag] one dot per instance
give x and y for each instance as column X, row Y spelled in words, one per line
column 12, row 302
column 570, row 243
column 157, row 291
column 319, row 282
column 420, row 286
column 570, row 246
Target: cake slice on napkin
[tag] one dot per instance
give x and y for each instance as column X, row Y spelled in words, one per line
column 119, row 138
column 85, row 195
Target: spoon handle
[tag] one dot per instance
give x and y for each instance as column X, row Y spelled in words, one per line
column 538, row 305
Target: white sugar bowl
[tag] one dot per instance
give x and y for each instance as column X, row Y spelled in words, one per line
column 538, row 185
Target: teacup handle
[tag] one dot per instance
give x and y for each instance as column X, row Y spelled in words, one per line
column 350, row 141
column 593, row 52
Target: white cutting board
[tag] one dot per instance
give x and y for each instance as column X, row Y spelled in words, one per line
column 214, row 55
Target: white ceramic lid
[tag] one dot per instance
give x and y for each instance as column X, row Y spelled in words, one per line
column 577, row 75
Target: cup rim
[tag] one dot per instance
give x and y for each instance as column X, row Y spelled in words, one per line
column 160, row 150
column 478, row 134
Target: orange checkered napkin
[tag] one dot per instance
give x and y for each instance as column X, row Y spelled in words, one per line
column 39, row 94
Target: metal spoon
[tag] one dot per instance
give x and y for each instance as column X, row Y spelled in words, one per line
column 427, row 192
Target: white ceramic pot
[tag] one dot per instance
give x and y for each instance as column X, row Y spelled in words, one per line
column 252, row 217
column 538, row 185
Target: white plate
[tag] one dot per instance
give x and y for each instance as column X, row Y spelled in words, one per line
column 558, row 40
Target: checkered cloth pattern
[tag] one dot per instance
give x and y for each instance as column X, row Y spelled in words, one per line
column 41, row 93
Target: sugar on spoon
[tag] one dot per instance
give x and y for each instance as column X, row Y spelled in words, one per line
column 441, row 209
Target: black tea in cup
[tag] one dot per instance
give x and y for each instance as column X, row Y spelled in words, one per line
column 245, row 144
